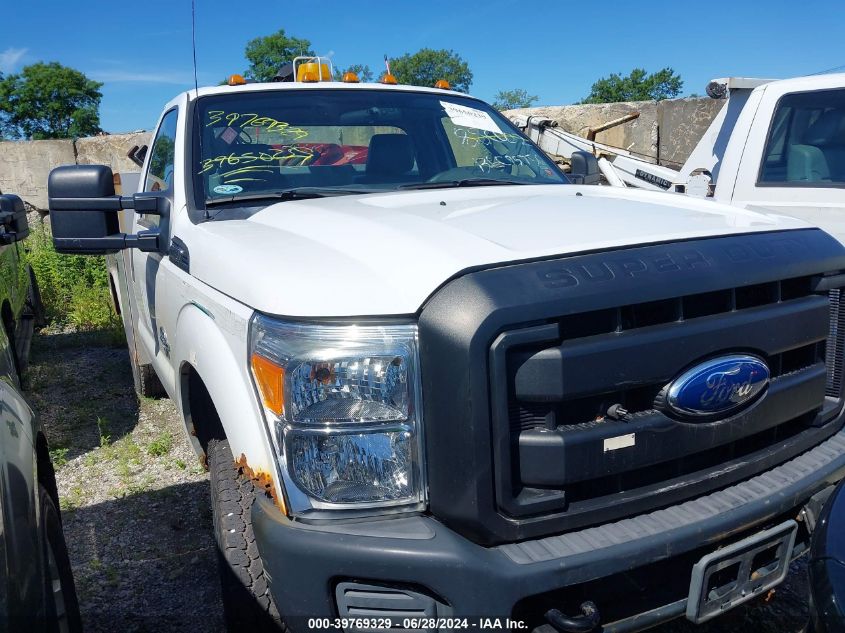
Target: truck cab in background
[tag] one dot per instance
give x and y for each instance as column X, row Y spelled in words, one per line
column 786, row 152
column 777, row 146
column 433, row 380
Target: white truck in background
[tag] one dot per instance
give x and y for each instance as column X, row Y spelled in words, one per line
column 776, row 146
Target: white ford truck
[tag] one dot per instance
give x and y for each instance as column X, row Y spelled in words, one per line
column 435, row 382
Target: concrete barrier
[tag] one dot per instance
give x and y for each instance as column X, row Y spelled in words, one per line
column 25, row 165
column 665, row 132
column 110, row 150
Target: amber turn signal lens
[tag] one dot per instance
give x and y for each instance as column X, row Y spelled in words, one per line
column 350, row 78
column 442, row 84
column 270, row 379
column 387, row 78
column 236, row 80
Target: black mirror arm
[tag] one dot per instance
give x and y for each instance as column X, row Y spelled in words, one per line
column 147, row 241
column 149, row 204
column 140, row 203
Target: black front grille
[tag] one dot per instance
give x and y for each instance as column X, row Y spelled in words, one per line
column 565, row 394
column 521, row 363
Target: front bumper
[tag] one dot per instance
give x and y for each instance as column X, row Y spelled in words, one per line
column 307, row 562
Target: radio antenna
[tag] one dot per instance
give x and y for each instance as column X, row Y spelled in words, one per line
column 194, row 44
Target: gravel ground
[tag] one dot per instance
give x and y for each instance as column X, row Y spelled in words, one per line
column 136, row 503
column 135, row 500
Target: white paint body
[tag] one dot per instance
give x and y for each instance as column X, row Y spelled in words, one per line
column 364, row 255
column 737, row 177
column 731, row 149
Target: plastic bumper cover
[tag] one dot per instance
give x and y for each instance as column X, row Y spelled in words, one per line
column 305, row 562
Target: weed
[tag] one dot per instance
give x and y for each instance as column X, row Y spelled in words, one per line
column 127, row 454
column 91, row 459
column 145, row 484
column 105, row 432
column 180, row 464
column 74, row 288
column 72, row 500
column 161, row 445
column 59, row 456
column 147, row 401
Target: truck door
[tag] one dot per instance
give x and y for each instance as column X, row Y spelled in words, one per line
column 794, row 158
column 145, row 267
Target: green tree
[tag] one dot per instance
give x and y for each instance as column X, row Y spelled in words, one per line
column 427, row 65
column 49, row 101
column 511, row 99
column 266, row 54
column 637, row 86
column 362, row 70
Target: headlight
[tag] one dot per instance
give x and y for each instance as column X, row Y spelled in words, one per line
column 344, row 403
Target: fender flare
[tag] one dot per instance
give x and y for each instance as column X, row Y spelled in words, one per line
column 200, row 344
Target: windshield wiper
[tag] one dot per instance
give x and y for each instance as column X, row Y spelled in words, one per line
column 297, row 193
column 466, row 182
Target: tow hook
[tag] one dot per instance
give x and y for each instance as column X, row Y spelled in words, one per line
column 584, row 623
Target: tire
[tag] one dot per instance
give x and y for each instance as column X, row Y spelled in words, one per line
column 247, row 602
column 61, row 604
column 147, row 383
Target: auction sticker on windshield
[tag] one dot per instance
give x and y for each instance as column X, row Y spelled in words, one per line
column 228, row 189
column 470, row 117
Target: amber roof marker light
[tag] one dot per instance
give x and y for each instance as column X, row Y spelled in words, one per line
column 236, row 80
column 350, row 78
column 442, row 84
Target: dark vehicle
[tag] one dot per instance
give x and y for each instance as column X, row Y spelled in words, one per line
column 36, row 585
column 827, row 568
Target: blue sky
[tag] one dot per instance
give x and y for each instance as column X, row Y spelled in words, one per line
column 142, row 50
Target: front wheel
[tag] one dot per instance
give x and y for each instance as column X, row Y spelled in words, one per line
column 247, row 602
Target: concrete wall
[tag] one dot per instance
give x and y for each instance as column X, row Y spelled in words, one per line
column 669, row 129
column 25, row 165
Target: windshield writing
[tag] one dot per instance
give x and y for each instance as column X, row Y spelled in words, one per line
column 255, row 142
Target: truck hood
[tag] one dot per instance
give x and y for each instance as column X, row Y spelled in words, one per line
column 386, row 253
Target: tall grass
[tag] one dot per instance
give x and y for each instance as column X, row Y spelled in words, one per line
column 74, row 288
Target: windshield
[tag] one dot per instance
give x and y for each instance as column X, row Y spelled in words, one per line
column 341, row 141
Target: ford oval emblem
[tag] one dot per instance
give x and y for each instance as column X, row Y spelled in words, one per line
column 720, row 385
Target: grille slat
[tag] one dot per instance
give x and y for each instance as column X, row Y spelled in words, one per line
column 834, row 347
